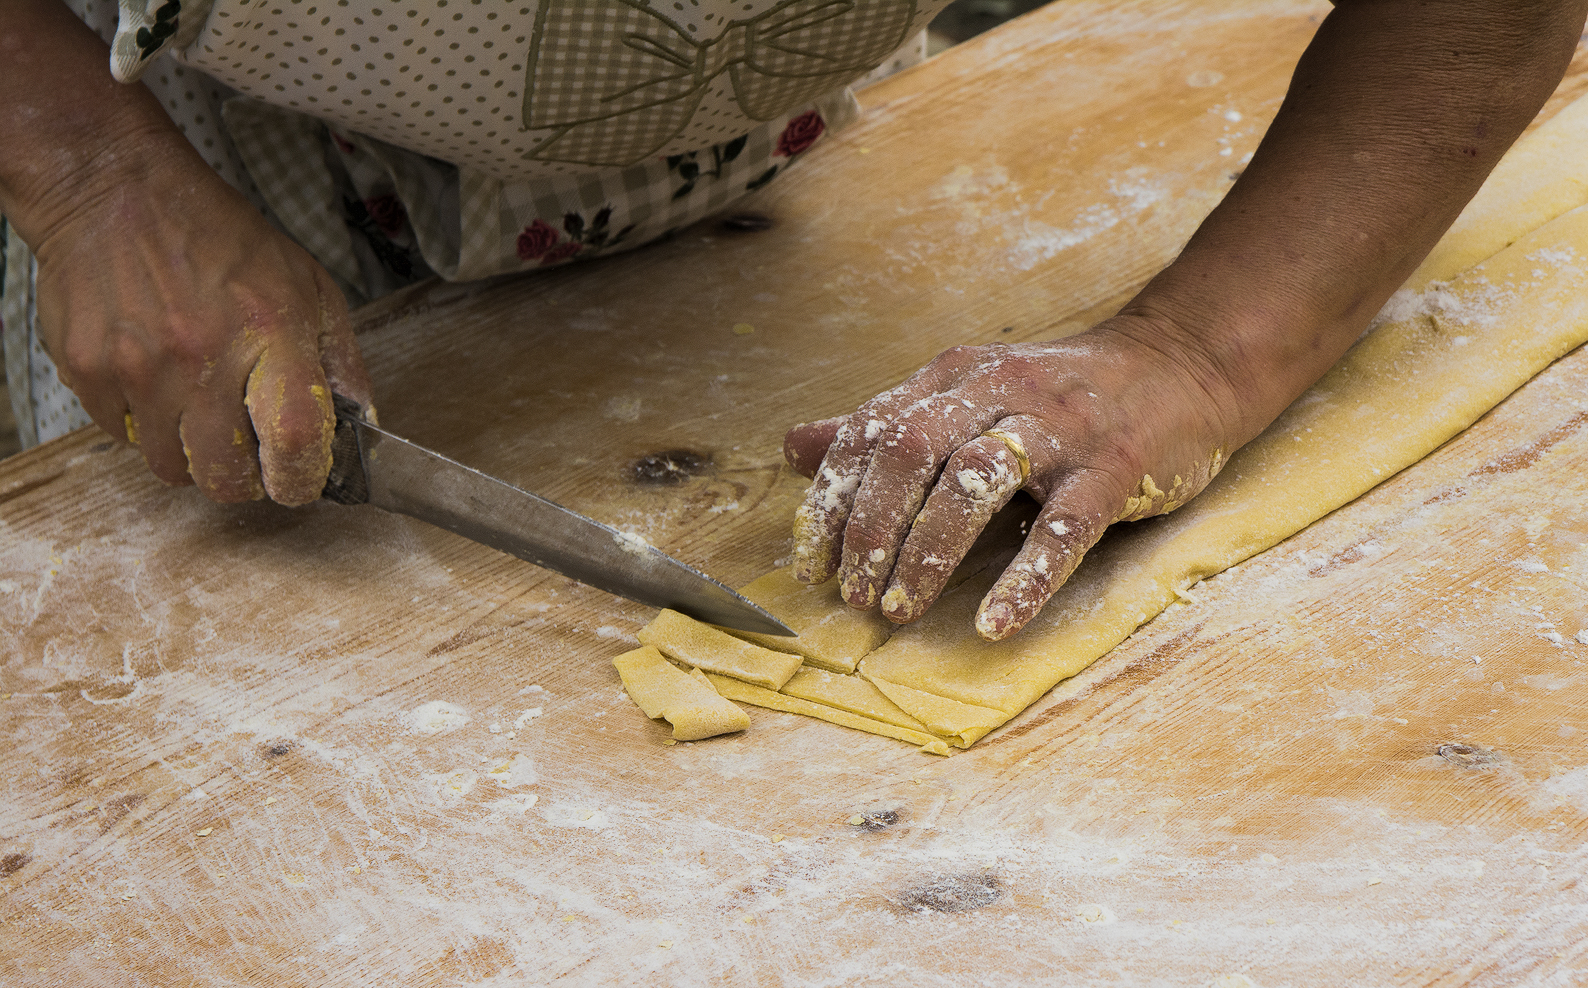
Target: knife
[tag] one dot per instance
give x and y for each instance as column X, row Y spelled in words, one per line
column 372, row 466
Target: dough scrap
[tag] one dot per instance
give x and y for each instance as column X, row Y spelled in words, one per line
column 961, row 724
column 686, row 700
column 850, row 693
column 696, row 644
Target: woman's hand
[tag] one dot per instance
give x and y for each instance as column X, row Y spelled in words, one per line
column 186, row 323
column 181, row 318
column 1111, row 425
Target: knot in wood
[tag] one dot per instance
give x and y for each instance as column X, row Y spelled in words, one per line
column 1464, row 755
column 879, row 819
column 953, row 894
column 673, row 466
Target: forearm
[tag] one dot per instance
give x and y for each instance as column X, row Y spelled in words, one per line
column 1396, row 114
column 72, row 133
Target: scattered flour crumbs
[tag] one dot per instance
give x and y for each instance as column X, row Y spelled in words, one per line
column 437, row 717
column 1479, row 307
column 632, row 542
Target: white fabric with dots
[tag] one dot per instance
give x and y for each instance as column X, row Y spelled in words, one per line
column 532, row 88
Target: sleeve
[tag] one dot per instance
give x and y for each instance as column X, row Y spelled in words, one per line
column 147, row 28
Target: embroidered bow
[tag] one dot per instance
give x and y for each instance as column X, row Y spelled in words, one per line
column 615, row 80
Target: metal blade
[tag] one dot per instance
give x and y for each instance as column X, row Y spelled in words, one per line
column 400, row 476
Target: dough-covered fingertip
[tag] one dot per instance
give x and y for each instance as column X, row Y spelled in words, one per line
column 859, row 591
column 812, row 562
column 900, row 606
column 995, row 621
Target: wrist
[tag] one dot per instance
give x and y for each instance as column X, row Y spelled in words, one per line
column 1167, row 362
column 73, row 135
column 109, row 183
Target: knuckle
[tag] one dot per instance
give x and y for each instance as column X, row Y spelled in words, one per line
column 1061, row 532
column 850, row 432
column 864, row 532
column 982, row 471
column 295, row 435
column 1042, row 565
column 187, row 344
column 833, row 490
column 907, row 445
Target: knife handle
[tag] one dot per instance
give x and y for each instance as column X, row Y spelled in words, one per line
column 347, row 482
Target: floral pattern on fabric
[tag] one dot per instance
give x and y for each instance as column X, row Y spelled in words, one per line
column 542, row 242
column 379, row 217
column 796, row 137
column 689, row 170
column 800, row 134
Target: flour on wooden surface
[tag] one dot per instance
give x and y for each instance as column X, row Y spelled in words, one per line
column 437, row 717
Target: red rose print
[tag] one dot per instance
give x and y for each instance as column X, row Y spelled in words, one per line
column 800, row 134
column 536, row 240
column 561, row 252
column 388, row 214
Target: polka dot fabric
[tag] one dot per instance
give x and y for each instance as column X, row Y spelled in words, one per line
column 523, row 90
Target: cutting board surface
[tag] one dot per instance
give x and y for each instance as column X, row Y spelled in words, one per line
column 250, row 745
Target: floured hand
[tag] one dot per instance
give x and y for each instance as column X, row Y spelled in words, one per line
column 1102, row 427
column 1380, row 142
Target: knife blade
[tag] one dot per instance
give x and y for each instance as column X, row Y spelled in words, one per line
column 372, row 466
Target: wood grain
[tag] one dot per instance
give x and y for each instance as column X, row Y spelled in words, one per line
column 1302, row 778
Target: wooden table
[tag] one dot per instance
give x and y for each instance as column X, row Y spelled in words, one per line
column 1355, row 759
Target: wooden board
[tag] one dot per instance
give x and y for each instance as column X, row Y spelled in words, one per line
column 1356, row 758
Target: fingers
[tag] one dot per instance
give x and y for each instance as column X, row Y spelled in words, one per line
column 148, row 422
column 222, row 452
column 289, row 404
column 156, row 429
column 903, row 467
column 806, row 444
column 978, row 480
column 819, row 522
column 1073, row 518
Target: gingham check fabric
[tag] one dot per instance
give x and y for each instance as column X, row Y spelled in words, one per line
column 615, row 80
